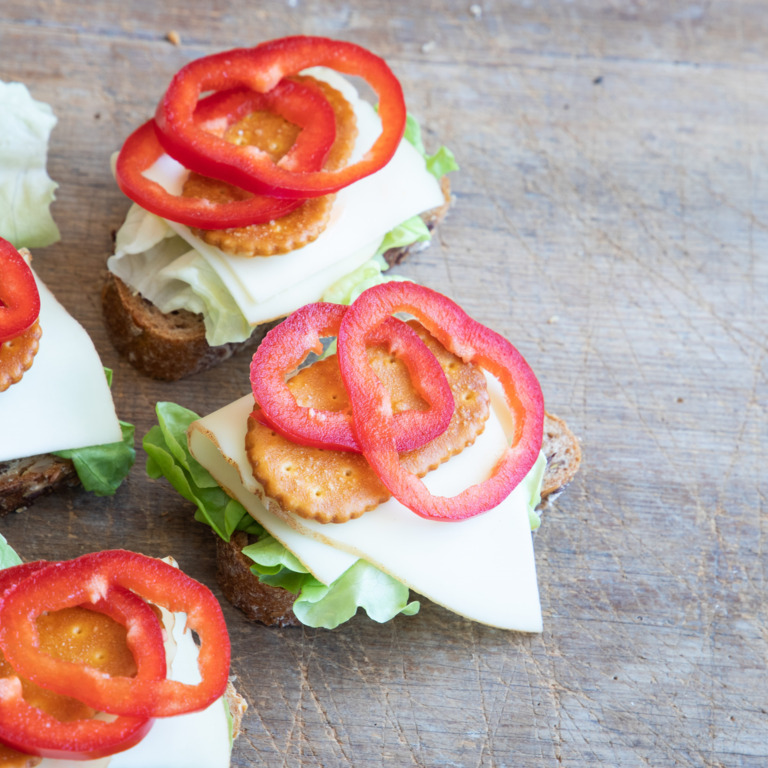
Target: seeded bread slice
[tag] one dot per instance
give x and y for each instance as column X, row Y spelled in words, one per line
column 172, row 346
column 24, row 480
column 273, row 605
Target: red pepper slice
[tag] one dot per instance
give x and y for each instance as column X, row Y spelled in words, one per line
column 28, row 729
column 19, row 297
column 85, row 580
column 286, row 346
column 300, row 103
column 470, row 341
column 9, row 577
column 261, row 68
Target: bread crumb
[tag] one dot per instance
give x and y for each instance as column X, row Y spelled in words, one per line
column 429, row 47
column 173, row 37
column 476, row 10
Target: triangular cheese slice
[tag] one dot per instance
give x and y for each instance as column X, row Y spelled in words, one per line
column 63, row 401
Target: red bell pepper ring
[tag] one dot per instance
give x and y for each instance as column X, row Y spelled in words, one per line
column 19, row 296
column 28, row 729
column 300, row 103
column 9, row 577
column 286, row 346
column 85, row 580
column 142, row 149
column 470, row 341
column 261, row 68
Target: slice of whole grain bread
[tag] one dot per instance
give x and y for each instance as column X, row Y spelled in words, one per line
column 23, row 480
column 273, row 605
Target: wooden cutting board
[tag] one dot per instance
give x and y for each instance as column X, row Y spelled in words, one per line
column 610, row 219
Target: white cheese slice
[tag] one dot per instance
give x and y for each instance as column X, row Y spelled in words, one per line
column 267, row 288
column 482, row 568
column 63, row 401
column 196, row 740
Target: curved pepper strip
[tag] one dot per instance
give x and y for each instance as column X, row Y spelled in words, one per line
column 301, row 103
column 19, row 297
column 9, row 577
column 78, row 581
column 33, row 731
column 261, row 68
column 470, row 341
column 285, row 347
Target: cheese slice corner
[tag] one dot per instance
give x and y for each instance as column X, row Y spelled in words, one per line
column 63, row 401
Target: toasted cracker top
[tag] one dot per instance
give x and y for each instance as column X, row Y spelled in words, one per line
column 335, row 486
column 274, row 135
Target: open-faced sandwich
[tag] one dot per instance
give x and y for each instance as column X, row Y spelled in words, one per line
column 280, row 188
column 112, row 659
column 323, row 509
column 57, row 420
column 46, row 357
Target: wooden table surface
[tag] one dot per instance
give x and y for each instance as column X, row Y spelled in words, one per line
column 610, row 219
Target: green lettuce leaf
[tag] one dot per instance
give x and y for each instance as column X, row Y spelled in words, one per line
column 230, row 721
column 412, row 231
column 317, row 604
column 26, row 190
column 8, row 556
column 102, row 468
column 438, row 164
column 154, row 259
column 349, row 287
column 168, row 456
column 533, row 484
column 320, row 605
column 142, row 231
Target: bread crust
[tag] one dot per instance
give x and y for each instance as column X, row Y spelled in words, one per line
column 163, row 346
column 563, row 452
column 237, row 708
column 273, row 605
column 171, row 346
column 24, row 480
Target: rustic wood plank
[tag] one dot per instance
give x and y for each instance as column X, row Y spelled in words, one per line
column 610, row 219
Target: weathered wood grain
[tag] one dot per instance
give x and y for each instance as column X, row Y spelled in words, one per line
column 610, row 219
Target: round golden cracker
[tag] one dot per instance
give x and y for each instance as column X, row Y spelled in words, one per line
column 335, row 486
column 11, row 758
column 472, row 407
column 327, row 486
column 17, row 355
column 274, row 135
column 83, row 636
